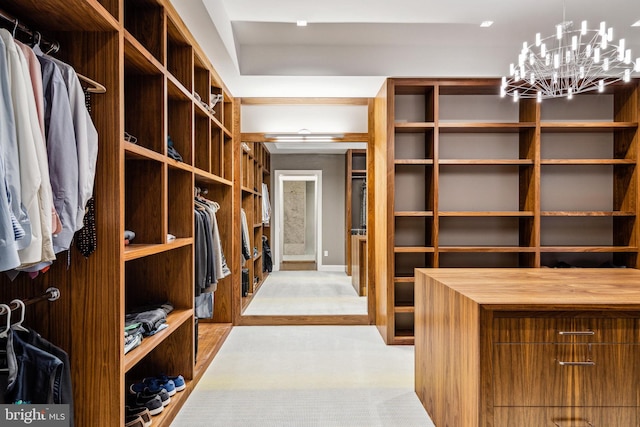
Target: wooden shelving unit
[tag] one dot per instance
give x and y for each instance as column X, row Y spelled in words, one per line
column 356, row 178
column 473, row 180
column 159, row 84
column 254, row 172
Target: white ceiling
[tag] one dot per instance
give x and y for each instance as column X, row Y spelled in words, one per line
column 349, row 46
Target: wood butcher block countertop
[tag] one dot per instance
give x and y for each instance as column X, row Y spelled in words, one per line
column 548, row 288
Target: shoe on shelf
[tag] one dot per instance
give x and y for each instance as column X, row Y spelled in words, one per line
column 154, row 385
column 178, row 381
column 141, row 411
column 133, row 421
column 152, row 402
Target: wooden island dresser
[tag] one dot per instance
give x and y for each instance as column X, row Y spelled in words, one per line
column 528, row 347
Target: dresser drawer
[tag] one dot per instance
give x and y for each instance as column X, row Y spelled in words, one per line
column 566, row 329
column 566, row 374
column 565, row 417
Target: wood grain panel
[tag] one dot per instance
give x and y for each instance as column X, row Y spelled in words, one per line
column 146, row 22
column 77, row 14
column 167, row 276
column 613, row 380
column 382, row 265
column 529, row 375
column 447, row 345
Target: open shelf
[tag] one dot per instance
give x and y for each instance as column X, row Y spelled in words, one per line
column 175, row 320
column 475, row 180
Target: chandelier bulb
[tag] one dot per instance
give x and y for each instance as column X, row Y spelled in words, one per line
column 532, row 79
column 539, row 96
column 621, row 50
column 547, row 60
column 610, row 34
column 583, row 30
column 504, row 82
column 587, row 51
column 638, row 65
column 569, row 93
column 627, row 56
column 532, row 59
column 538, row 39
column 574, row 43
column 567, row 58
column 515, row 96
column 603, row 42
column 555, row 77
column 582, row 72
column 556, row 60
column 601, row 86
column 596, row 55
column 543, row 50
column 605, row 64
column 503, row 92
column 558, row 32
column 512, row 69
column 603, row 29
column 627, row 75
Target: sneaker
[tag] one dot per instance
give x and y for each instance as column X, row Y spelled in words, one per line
column 154, row 385
column 152, row 402
column 133, row 421
column 164, row 396
column 142, row 412
column 178, row 381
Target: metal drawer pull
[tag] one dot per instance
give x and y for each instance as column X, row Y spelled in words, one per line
column 571, row 422
column 580, row 333
column 587, row 363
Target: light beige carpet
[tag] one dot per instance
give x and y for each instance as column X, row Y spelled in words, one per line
column 306, row 292
column 306, row 376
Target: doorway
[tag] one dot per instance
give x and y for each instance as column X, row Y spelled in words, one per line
column 298, row 230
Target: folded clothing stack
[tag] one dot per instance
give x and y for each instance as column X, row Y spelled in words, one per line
column 143, row 322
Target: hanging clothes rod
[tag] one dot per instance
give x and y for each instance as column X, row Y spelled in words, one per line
column 16, row 25
column 51, row 294
column 51, row 46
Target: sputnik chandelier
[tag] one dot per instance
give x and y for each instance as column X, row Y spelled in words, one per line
column 569, row 62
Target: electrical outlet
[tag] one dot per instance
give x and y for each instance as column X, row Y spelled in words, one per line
column 326, row 253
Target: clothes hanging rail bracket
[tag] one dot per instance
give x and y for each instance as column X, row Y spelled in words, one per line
column 51, row 46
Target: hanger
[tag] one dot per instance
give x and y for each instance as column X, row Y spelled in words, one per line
column 15, row 28
column 18, row 325
column 94, row 86
column 6, row 309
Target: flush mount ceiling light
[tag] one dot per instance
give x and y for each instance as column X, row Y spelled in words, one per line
column 304, row 137
column 486, row 24
column 301, row 23
column 569, row 62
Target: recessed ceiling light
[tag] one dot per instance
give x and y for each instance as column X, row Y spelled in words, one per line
column 486, row 24
column 301, row 23
column 636, row 24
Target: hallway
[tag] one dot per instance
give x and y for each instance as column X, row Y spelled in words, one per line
column 303, row 376
column 307, row 293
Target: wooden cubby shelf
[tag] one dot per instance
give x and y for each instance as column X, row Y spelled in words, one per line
column 254, row 167
column 474, row 180
column 151, row 66
column 175, row 319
